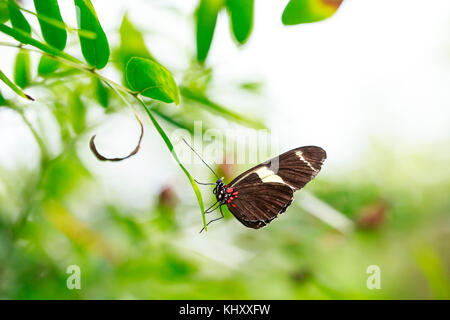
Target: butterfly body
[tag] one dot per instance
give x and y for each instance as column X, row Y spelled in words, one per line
column 220, row 192
column 260, row 194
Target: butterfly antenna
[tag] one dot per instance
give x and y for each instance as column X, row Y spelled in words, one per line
column 200, row 158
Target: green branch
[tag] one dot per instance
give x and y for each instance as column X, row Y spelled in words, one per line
column 75, row 63
column 175, row 156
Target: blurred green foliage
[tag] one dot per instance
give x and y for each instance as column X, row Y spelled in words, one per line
column 132, row 44
column 47, row 66
column 54, row 214
column 22, row 69
column 4, row 11
column 297, row 257
column 207, row 13
column 241, row 16
column 307, row 11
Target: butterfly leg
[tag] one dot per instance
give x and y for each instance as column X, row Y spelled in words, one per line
column 220, row 208
column 213, row 209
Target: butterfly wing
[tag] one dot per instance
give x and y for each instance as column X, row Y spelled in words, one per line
column 265, row 191
column 295, row 168
column 258, row 204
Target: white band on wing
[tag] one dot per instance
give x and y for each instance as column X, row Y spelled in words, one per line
column 302, row 158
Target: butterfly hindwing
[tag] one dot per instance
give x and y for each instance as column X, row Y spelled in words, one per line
column 258, row 204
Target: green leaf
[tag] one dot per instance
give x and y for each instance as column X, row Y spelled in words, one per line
column 2, row 99
column 47, row 65
column 95, row 51
column 77, row 112
column 13, row 87
column 101, row 92
column 241, row 15
column 4, row 12
column 53, row 35
column 63, row 175
column 22, row 37
column 22, row 72
column 152, row 80
column 18, row 21
column 169, row 145
column 132, row 44
column 306, row 11
column 206, row 16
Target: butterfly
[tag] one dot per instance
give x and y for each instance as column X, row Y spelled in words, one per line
column 259, row 195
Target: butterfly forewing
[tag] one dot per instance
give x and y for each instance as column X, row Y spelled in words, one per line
column 265, row 191
column 295, row 167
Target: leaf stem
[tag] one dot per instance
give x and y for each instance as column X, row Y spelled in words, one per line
column 80, row 66
column 75, row 63
column 175, row 156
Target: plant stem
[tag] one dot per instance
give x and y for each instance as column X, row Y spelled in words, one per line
column 79, row 66
column 175, row 156
column 115, row 85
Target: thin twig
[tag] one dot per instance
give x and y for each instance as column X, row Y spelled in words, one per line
column 132, row 153
column 323, row 211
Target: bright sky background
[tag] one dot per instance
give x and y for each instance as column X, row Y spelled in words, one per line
column 377, row 68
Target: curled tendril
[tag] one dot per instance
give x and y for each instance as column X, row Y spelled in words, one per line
column 103, row 158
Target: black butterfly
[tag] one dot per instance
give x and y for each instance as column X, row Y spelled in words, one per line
column 260, row 194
